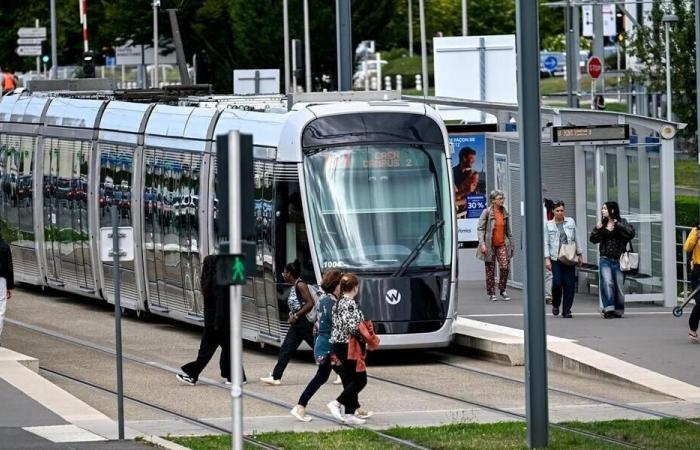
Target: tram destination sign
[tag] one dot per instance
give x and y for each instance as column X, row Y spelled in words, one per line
column 590, row 135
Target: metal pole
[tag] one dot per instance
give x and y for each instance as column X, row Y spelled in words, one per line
column 529, row 128
column 54, row 52
column 571, row 58
column 598, row 44
column 285, row 15
column 424, row 47
column 464, row 18
column 667, row 27
column 234, row 233
column 294, row 72
column 156, row 4
column 344, row 31
column 180, row 51
column 118, row 320
column 697, row 78
column 410, row 28
column 38, row 58
column 307, row 47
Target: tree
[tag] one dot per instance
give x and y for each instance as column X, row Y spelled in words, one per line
column 648, row 47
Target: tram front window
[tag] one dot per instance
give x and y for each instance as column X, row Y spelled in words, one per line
column 370, row 207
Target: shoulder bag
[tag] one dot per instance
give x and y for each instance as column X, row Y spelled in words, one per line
column 567, row 254
column 629, row 261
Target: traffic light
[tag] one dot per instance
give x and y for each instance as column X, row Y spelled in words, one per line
column 230, row 270
column 45, row 52
column 89, row 64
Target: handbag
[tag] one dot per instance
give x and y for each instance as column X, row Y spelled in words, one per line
column 629, row 261
column 567, row 254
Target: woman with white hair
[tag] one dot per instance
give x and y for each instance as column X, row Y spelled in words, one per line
column 495, row 244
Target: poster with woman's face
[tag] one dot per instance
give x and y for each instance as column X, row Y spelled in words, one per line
column 469, row 178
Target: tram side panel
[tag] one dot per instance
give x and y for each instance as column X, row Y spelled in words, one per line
column 67, row 245
column 172, row 232
column 116, row 187
column 17, row 204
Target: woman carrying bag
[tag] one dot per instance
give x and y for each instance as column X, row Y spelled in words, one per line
column 561, row 254
column 495, row 244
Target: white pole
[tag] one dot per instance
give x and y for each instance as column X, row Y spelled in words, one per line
column 379, row 72
column 156, row 4
column 38, row 58
column 83, row 20
column 423, row 47
column 285, row 13
column 307, row 47
column 667, row 27
column 464, row 18
column 234, row 224
column 54, row 51
column 410, row 29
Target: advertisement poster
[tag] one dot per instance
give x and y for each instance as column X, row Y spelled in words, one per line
column 469, row 177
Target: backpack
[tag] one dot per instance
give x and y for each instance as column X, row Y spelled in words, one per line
column 316, row 294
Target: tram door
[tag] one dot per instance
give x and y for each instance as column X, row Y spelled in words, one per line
column 171, row 230
column 265, row 297
column 66, row 228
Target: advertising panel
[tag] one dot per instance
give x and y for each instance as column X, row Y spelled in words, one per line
column 469, row 178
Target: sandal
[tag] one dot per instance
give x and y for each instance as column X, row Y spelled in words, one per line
column 693, row 337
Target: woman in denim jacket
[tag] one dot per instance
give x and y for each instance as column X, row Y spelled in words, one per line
column 557, row 232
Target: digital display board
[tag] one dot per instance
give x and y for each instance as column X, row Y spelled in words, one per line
column 591, row 134
column 377, row 159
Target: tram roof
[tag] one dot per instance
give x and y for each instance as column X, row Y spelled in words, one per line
column 22, row 109
column 73, row 112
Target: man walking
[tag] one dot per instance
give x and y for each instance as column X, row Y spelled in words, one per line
column 7, row 279
column 216, row 327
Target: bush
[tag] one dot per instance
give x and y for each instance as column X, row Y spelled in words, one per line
column 407, row 68
column 686, row 210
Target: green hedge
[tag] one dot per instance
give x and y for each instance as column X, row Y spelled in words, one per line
column 686, row 210
column 407, row 68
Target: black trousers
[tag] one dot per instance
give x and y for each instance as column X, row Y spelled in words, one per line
column 301, row 330
column 211, row 339
column 353, row 381
column 563, row 285
column 322, row 374
column 695, row 314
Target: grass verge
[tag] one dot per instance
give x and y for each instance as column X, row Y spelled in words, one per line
column 687, row 172
column 657, row 434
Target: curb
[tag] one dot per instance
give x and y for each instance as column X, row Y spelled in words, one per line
column 164, row 443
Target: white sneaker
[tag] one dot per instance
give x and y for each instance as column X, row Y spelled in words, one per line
column 183, row 377
column 334, row 408
column 300, row 413
column 505, row 296
column 363, row 413
column 493, row 298
column 352, row 419
column 271, row 381
column 338, row 380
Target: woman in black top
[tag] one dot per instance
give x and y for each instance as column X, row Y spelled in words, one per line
column 612, row 234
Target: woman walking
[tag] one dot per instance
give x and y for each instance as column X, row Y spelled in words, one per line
column 347, row 317
column 495, row 244
column 691, row 246
column 322, row 346
column 612, row 233
column 300, row 302
column 561, row 254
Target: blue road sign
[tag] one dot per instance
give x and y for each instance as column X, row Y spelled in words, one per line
column 110, row 60
column 550, row 63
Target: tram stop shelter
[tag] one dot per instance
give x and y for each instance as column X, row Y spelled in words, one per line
column 588, row 157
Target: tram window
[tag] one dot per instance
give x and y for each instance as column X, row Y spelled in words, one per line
column 290, row 228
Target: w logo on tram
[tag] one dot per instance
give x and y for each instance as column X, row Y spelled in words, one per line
column 392, row 296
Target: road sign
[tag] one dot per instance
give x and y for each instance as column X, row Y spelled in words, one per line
column 30, row 41
column 126, row 244
column 550, row 63
column 230, row 270
column 594, row 67
column 38, row 32
column 29, row 50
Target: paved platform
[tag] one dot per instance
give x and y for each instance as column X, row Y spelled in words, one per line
column 647, row 337
column 35, row 414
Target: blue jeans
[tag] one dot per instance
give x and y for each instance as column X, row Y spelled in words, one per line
column 611, row 284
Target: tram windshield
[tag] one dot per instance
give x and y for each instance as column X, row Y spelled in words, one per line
column 371, row 207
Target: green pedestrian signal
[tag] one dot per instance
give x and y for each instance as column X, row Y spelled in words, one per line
column 230, row 270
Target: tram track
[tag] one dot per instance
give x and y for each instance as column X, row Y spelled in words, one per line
column 202, row 380
column 287, row 406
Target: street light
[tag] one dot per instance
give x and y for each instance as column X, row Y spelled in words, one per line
column 668, row 19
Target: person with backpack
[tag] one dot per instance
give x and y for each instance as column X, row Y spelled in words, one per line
column 691, row 246
column 323, row 353
column 7, row 279
column 300, row 302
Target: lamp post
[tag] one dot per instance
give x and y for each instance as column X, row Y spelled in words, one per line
column 156, row 4
column 668, row 19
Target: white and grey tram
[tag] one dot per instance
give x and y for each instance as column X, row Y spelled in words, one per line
column 359, row 186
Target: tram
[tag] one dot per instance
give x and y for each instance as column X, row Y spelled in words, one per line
column 361, row 186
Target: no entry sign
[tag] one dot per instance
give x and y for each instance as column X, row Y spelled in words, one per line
column 594, row 67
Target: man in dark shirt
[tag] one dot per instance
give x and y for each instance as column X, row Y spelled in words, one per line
column 7, row 279
column 462, row 171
